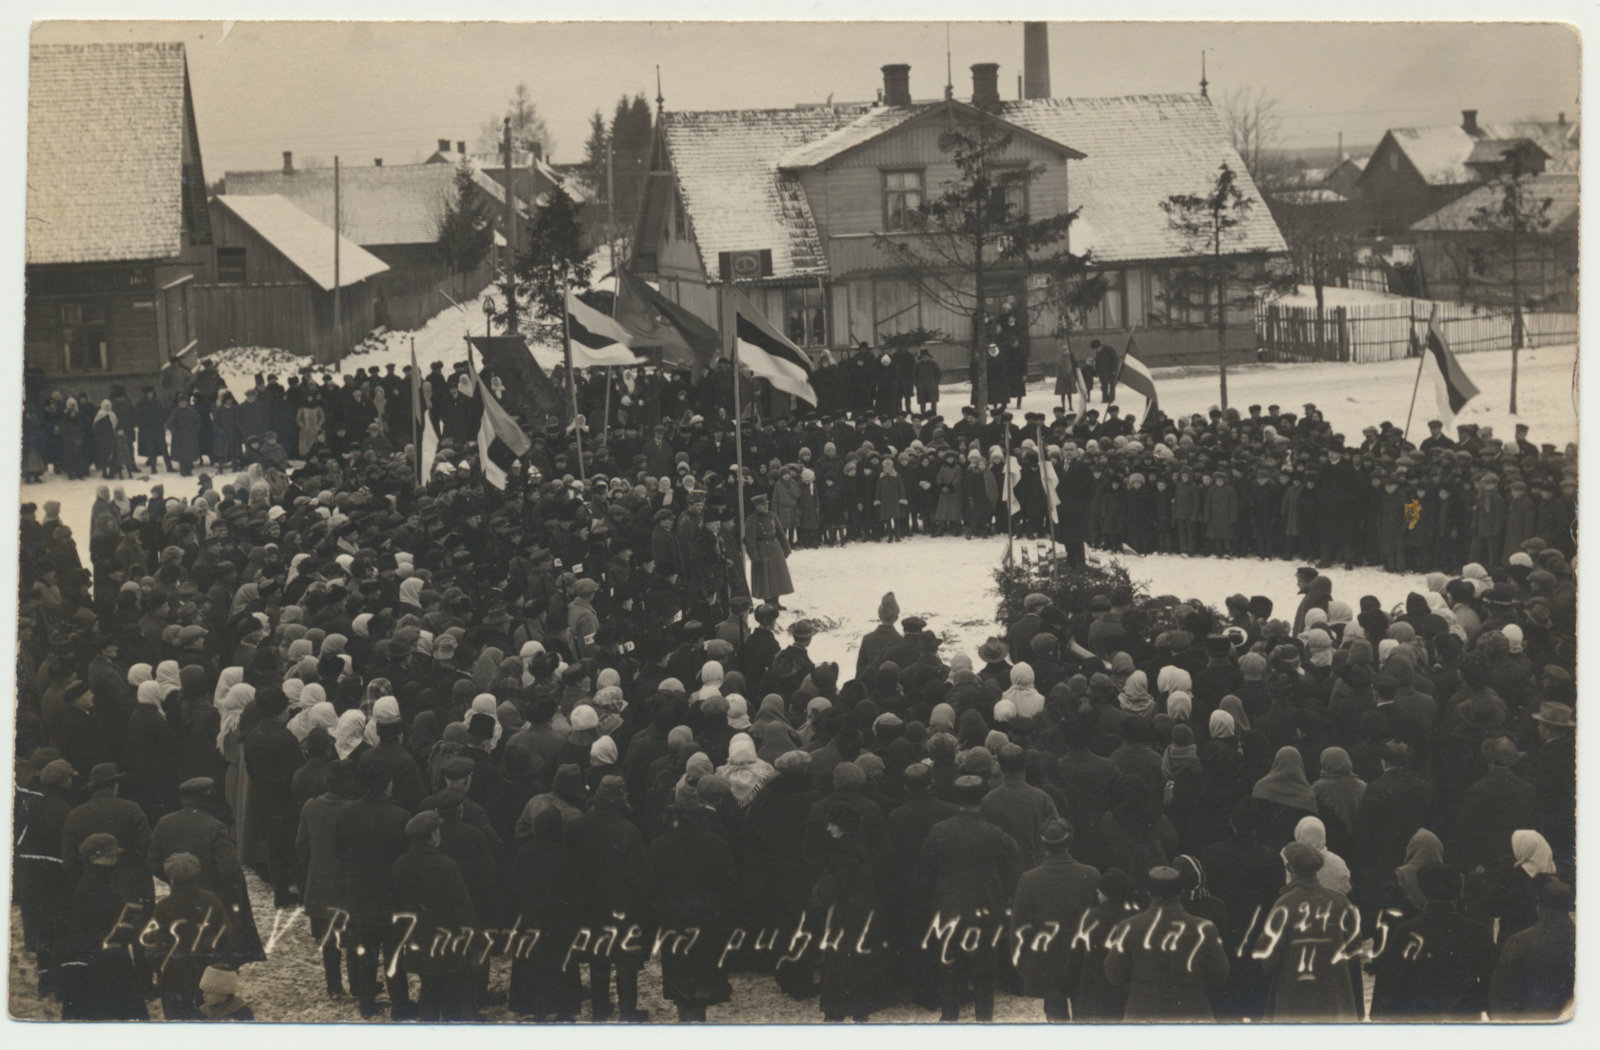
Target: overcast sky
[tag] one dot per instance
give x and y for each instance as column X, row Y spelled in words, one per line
column 366, row 90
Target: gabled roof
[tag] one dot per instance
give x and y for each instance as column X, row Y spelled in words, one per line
column 881, row 121
column 105, row 152
column 1561, row 189
column 399, row 204
column 1440, row 153
column 304, row 241
column 1140, row 150
column 519, row 159
column 1493, row 151
column 726, row 163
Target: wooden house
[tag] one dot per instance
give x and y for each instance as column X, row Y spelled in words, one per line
column 815, row 185
column 1462, row 261
column 274, row 281
column 117, row 227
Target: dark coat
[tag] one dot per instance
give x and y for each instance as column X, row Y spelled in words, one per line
column 369, row 835
column 1307, row 982
column 126, row 822
column 695, row 884
column 319, row 860
column 1166, row 958
column 1435, row 968
column 194, row 831
column 968, row 864
column 428, row 884
column 779, row 879
column 611, row 855
column 874, row 644
column 1533, row 980
column 1051, row 897
column 148, row 756
column 272, row 754
column 105, row 985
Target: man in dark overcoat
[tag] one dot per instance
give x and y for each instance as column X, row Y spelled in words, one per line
column 369, row 835
column 118, row 817
column 696, row 884
column 435, row 913
column 193, row 829
column 616, row 871
column 1053, row 896
column 1166, row 957
column 272, row 754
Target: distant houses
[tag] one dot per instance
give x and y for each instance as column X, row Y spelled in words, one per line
column 117, row 228
column 1461, row 260
column 812, row 185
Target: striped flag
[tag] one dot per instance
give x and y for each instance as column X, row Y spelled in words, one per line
column 1136, row 377
column 769, row 355
column 1451, row 387
column 1047, row 477
column 500, row 440
column 597, row 340
column 656, row 320
column 1077, row 372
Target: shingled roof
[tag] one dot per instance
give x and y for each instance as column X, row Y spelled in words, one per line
column 1560, row 188
column 726, row 163
column 1140, row 150
column 105, row 152
column 304, row 241
column 399, row 204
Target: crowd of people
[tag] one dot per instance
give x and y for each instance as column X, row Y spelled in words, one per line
column 442, row 718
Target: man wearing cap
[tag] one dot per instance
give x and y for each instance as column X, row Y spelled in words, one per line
column 1552, row 770
column 1017, row 807
column 876, row 642
column 758, row 650
column 767, row 544
column 100, row 981
column 272, row 755
column 1166, row 957
column 1535, row 975
column 1305, row 945
column 194, row 930
column 369, row 835
column 123, row 820
column 193, row 830
column 793, row 663
column 969, row 869
column 42, row 887
column 691, row 868
column 431, row 898
column 1440, row 966
column 1058, row 891
column 582, row 620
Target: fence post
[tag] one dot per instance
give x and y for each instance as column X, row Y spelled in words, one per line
column 1341, row 318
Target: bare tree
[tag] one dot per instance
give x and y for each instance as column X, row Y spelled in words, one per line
column 1513, row 221
column 528, row 130
column 1253, row 122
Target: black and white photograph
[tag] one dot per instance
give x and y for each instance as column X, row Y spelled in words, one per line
column 780, row 522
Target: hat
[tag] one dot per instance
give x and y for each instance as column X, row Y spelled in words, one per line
column 423, row 825
column 889, row 608
column 457, row 766
column 481, row 725
column 107, row 773
column 1302, row 859
column 196, row 785
column 969, row 789
column 1550, row 713
column 1055, row 832
column 802, row 629
column 1164, row 881
column 1500, row 751
column 587, row 588
column 100, row 847
column 56, row 773
column 449, row 798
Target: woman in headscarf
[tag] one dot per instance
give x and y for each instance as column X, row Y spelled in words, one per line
column 745, row 772
column 1512, row 893
column 1339, row 792
column 711, row 675
column 411, row 595
column 1197, row 899
column 603, row 759
column 349, row 735
column 486, row 669
column 1134, row 696
column 699, row 765
column 771, row 728
column 549, row 892
column 1171, row 679
column 1029, row 702
column 1423, row 850
column 320, row 715
column 1286, row 796
column 1185, row 781
column 1335, row 873
column 169, row 677
column 229, row 739
column 148, row 749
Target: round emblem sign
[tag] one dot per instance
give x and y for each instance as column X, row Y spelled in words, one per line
column 747, row 265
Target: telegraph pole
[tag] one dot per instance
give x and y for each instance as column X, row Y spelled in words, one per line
column 338, row 345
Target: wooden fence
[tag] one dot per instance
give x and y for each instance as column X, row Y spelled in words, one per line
column 1383, row 331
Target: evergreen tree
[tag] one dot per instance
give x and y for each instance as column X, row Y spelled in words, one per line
column 465, row 232
column 553, row 260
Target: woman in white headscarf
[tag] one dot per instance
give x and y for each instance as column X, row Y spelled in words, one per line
column 384, row 709
column 711, row 675
column 745, row 772
column 226, row 680
column 236, row 784
column 349, row 733
column 318, row 716
column 1335, row 873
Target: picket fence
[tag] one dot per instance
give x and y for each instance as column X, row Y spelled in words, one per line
column 1383, row 331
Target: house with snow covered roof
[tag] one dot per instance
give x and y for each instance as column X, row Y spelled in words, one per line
column 814, row 185
column 532, row 177
column 393, row 212
column 1461, row 260
column 116, row 227
column 1415, row 171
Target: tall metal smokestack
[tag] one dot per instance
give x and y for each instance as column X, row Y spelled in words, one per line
column 1035, row 60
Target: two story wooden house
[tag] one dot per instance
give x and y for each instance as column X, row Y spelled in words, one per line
column 815, row 185
column 117, row 226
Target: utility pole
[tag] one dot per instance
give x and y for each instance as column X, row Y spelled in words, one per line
column 511, row 237
column 611, row 213
column 1516, row 283
column 338, row 345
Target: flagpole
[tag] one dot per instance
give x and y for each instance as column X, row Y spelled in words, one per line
column 605, row 420
column 1422, row 359
column 1049, row 511
column 572, row 382
column 1009, row 489
column 738, row 434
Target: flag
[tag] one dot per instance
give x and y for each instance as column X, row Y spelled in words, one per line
column 1013, row 477
column 597, row 340
column 769, row 355
column 1047, row 477
column 1137, row 377
column 1077, row 372
column 1451, row 387
column 528, row 390
column 655, row 320
column 500, row 440
column 418, row 423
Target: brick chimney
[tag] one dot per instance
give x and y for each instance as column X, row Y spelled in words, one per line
column 1469, row 122
column 377, row 162
column 444, row 145
column 288, row 162
column 986, row 85
column 1035, row 60
column 461, row 148
column 897, row 85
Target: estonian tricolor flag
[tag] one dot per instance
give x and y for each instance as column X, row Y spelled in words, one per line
column 597, row 340
column 1135, row 376
column 500, row 440
column 771, row 356
column 1451, row 387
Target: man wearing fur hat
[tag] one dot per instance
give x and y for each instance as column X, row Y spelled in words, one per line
column 878, row 641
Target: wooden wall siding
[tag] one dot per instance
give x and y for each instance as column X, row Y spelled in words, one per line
column 263, row 263
column 276, row 315
column 132, row 321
